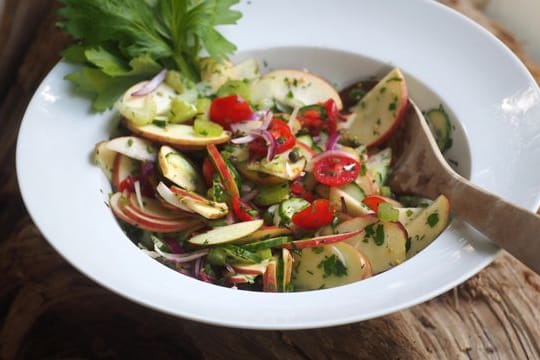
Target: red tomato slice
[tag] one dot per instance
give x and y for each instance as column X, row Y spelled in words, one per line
column 281, row 133
column 332, row 114
column 298, row 188
column 336, row 170
column 318, row 214
column 243, row 211
column 229, row 110
column 373, row 202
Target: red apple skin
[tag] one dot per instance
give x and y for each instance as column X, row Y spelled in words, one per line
column 223, row 170
column 166, row 215
column 319, row 241
column 270, row 282
column 129, row 215
column 401, row 112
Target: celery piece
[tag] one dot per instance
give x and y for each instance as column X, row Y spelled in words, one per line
column 139, row 115
column 386, row 212
column 205, row 128
column 174, row 80
column 272, row 194
column 181, row 111
column 232, row 87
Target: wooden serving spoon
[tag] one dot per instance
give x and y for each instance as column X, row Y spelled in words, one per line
column 419, row 168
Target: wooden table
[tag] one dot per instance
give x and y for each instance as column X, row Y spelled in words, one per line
column 49, row 310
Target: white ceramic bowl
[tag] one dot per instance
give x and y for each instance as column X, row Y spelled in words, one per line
column 446, row 58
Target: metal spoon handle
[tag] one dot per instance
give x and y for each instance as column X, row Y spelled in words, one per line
column 515, row 229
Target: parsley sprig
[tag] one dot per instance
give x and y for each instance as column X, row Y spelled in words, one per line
column 121, row 42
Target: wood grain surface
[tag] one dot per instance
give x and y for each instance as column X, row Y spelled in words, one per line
column 48, row 310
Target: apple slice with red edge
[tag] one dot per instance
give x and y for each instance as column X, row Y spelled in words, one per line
column 123, row 168
column 293, row 88
column 251, row 269
column 133, row 147
column 223, row 170
column 270, row 280
column 199, row 204
column 124, row 211
column 180, row 136
column 169, row 199
column 380, row 111
column 320, row 240
column 382, row 242
column 373, row 201
column 236, row 279
column 154, row 209
column 226, row 234
column 329, row 266
column 287, row 263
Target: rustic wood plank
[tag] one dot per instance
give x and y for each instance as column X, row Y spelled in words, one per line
column 49, row 310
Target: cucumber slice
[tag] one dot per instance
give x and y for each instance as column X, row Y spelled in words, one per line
column 179, row 169
column 272, row 194
column 290, row 207
column 226, row 234
column 267, row 244
column 441, row 127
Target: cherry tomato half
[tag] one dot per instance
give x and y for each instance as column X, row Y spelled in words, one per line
column 243, row 211
column 373, row 202
column 319, row 117
column 336, row 170
column 318, row 214
column 281, row 133
column 228, row 110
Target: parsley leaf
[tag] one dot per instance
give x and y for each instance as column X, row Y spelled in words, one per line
column 121, row 42
column 332, row 265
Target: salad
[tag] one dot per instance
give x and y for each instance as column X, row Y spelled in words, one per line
column 264, row 182
column 270, row 182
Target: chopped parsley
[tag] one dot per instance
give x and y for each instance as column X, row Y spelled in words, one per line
column 433, row 219
column 332, row 266
column 317, row 250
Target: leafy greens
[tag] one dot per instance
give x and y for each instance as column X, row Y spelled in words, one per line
column 121, row 42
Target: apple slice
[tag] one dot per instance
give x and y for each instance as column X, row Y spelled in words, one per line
column 270, row 280
column 367, row 184
column 320, row 240
column 177, row 135
column 348, row 199
column 329, row 266
column 179, row 169
column 226, row 234
column 380, row 111
column 123, row 168
column 305, row 150
column 251, row 269
column 266, row 232
column 223, row 170
column 258, row 177
column 133, row 147
column 428, row 225
column 153, row 208
column 382, row 242
column 199, row 204
column 287, row 263
column 293, row 88
column 104, row 158
column 124, row 211
column 406, row 215
column 168, row 197
column 241, row 279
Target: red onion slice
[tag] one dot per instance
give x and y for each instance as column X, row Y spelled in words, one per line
column 152, row 84
column 250, row 196
column 332, row 141
column 270, row 142
column 267, row 118
column 181, row 258
column 175, row 247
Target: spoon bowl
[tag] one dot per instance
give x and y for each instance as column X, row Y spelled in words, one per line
column 420, row 169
